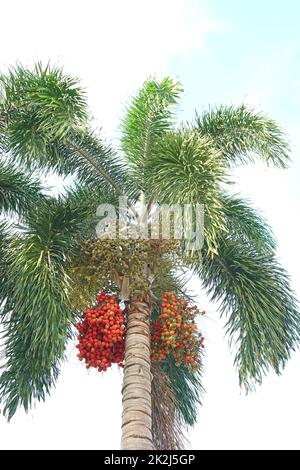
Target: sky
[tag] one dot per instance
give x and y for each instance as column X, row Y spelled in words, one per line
column 223, row 51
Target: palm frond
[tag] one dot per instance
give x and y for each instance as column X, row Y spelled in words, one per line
column 167, row 431
column 186, row 169
column 45, row 128
column 86, row 197
column 5, row 234
column 3, row 139
column 185, row 385
column 148, row 117
column 188, row 389
column 241, row 135
column 254, row 292
column 96, row 164
column 244, row 223
column 18, row 192
column 40, row 106
column 36, row 311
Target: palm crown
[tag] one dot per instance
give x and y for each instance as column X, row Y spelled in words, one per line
column 48, row 275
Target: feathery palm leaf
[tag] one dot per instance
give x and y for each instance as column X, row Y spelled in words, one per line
column 188, row 389
column 245, row 223
column 185, row 385
column 4, row 244
column 44, row 126
column 18, row 192
column 255, row 293
column 186, row 169
column 41, row 106
column 242, row 134
column 148, row 117
column 167, row 429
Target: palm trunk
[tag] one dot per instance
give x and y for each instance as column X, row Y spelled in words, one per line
column 136, row 391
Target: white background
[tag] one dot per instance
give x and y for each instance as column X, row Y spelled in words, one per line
column 113, row 46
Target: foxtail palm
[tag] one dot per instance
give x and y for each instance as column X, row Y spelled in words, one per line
column 52, row 265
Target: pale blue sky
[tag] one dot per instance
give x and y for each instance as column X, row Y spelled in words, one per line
column 254, row 42
column 253, row 55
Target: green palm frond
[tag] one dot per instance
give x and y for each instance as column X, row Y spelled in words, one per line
column 241, row 134
column 5, row 234
column 245, row 224
column 40, row 106
column 254, row 292
column 188, row 389
column 96, row 164
column 148, row 117
column 18, row 192
column 186, row 169
column 36, row 311
column 167, row 430
column 186, row 385
column 44, row 127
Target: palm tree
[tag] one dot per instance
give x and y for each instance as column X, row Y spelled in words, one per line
column 52, row 264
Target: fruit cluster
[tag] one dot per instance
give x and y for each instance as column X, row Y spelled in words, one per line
column 175, row 332
column 101, row 334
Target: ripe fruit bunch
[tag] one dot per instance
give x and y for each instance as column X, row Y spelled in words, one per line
column 175, row 332
column 101, row 334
